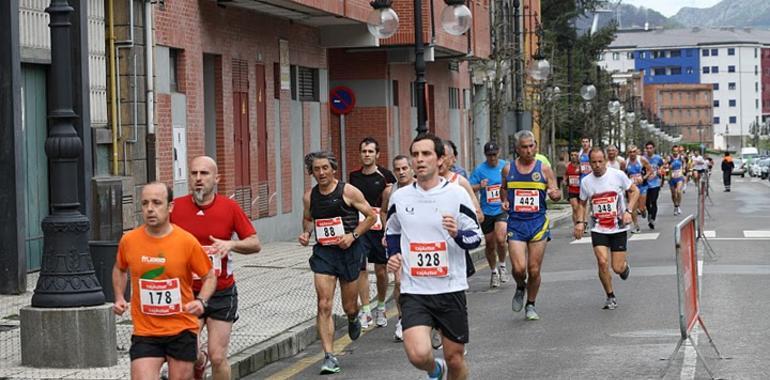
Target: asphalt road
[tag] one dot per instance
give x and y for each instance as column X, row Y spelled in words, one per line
column 576, row 339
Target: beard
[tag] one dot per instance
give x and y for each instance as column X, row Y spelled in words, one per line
column 199, row 195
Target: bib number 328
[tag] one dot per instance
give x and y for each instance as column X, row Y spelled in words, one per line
column 428, row 259
column 160, row 297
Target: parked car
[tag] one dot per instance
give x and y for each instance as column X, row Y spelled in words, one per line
column 755, row 170
column 740, row 167
column 764, row 166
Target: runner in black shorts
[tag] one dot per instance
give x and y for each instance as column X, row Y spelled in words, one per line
column 606, row 189
column 372, row 180
column 331, row 210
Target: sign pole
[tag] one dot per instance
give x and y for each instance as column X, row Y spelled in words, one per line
column 343, row 148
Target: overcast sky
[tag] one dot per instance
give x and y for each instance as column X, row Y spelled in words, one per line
column 669, row 7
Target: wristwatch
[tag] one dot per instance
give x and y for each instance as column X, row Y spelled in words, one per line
column 355, row 235
column 629, row 211
column 204, row 303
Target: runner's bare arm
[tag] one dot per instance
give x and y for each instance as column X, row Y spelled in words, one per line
column 467, row 186
column 355, row 198
column 580, row 224
column 553, row 187
column 504, row 186
column 246, row 246
column 633, row 196
column 195, row 306
column 647, row 168
column 307, row 221
column 385, row 203
column 119, row 281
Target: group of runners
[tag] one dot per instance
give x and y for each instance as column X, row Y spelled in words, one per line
column 418, row 224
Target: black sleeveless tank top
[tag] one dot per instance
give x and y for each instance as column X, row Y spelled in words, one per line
column 333, row 205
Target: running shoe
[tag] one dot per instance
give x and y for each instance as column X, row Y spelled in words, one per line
column 678, row 210
column 365, row 318
column 435, row 340
column 624, row 275
column 651, row 224
column 610, row 304
column 199, row 370
column 531, row 314
column 518, row 300
column 503, row 273
column 330, row 365
column 164, row 372
column 636, row 230
column 643, row 213
column 442, row 370
column 379, row 317
column 398, row 335
column 354, row 328
column 494, row 281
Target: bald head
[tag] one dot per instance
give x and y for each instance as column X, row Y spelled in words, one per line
column 205, row 162
column 204, row 177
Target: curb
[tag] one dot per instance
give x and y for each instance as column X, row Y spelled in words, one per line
column 296, row 339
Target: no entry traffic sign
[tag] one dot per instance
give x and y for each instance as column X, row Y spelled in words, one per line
column 342, row 100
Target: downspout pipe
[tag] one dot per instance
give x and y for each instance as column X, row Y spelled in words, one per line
column 113, row 85
column 149, row 72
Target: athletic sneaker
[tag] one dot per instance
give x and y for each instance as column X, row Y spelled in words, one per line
column 330, row 365
column 435, row 340
column 164, row 372
column 503, row 273
column 626, row 272
column 398, row 335
column 636, row 230
column 354, row 329
column 442, row 370
column 679, row 210
column 610, row 304
column 643, row 213
column 518, row 300
column 379, row 317
column 365, row 318
column 494, row 281
column 531, row 314
column 651, row 224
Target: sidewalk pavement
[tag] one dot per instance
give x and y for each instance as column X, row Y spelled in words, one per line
column 277, row 308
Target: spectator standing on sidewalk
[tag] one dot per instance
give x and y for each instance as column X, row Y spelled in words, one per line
column 162, row 259
column 213, row 219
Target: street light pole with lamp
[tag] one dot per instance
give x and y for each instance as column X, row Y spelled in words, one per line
column 383, row 23
column 588, row 93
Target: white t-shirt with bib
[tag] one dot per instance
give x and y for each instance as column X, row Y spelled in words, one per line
column 606, row 196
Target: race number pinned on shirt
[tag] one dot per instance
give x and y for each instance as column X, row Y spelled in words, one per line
column 574, row 180
column 378, row 224
column 525, row 200
column 493, row 194
column 428, row 259
column 160, row 297
column 329, row 231
column 605, row 210
column 216, row 262
column 637, row 178
column 676, row 173
column 585, row 168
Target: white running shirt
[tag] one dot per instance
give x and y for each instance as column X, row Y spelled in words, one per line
column 615, row 164
column 606, row 196
column 432, row 261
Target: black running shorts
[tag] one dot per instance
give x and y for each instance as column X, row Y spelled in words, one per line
column 223, row 305
column 617, row 242
column 372, row 245
column 488, row 225
column 446, row 312
column 332, row 260
column 183, row 346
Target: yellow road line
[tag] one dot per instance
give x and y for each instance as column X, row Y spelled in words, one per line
column 338, row 346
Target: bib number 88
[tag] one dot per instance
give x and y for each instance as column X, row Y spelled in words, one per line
column 328, row 231
column 428, row 260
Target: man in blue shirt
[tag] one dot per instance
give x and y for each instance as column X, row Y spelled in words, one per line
column 653, row 182
column 487, row 179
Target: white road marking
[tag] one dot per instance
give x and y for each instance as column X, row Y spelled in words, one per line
column 709, row 234
column 756, row 234
column 690, row 362
column 649, row 236
column 584, row 240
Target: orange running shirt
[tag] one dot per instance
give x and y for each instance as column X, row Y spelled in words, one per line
column 164, row 267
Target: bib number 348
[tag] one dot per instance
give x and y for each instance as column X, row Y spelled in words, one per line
column 428, row 259
column 160, row 297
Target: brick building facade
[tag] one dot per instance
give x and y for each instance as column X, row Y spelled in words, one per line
column 683, row 109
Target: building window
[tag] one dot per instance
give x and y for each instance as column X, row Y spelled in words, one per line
column 293, row 81
column 756, row 103
column 756, row 86
column 716, row 103
column 731, row 69
column 658, row 54
column 630, row 55
column 714, row 69
column 173, row 69
column 394, row 90
column 454, row 98
column 733, row 119
column 659, row 71
column 714, row 52
column 731, row 86
column 689, row 70
column 307, row 84
column 615, row 56
column 706, row 70
column 676, row 71
column 716, row 86
column 755, row 52
column 705, row 52
column 716, row 119
column 730, row 51
column 756, row 70
column 676, row 53
column 732, row 102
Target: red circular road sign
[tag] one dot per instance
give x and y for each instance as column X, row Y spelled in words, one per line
column 342, row 100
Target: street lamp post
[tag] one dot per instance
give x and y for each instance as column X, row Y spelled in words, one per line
column 383, row 23
column 588, row 93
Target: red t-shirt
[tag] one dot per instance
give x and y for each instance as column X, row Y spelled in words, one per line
column 220, row 219
column 573, row 178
